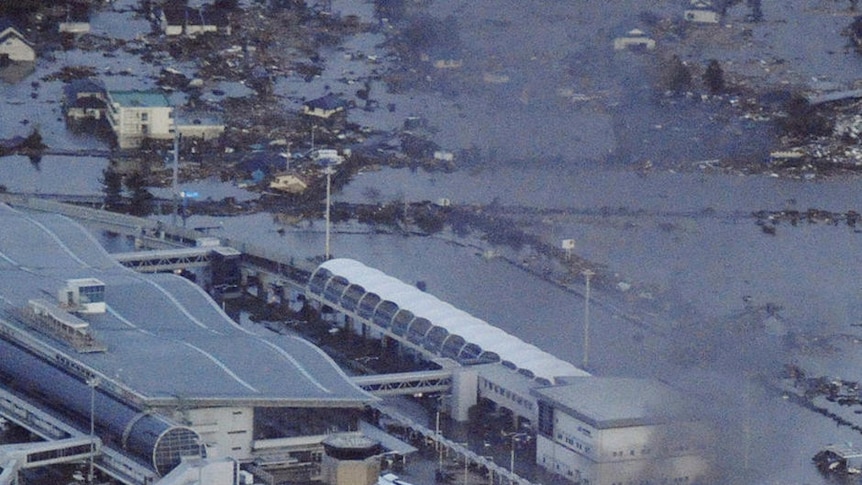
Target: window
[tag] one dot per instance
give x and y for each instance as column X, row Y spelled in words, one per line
column 145, row 116
column 546, row 419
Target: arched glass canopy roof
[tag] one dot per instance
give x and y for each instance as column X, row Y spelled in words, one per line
column 429, row 322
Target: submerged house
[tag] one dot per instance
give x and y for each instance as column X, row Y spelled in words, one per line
column 701, row 12
column 84, row 99
column 76, row 20
column 635, row 39
column 180, row 20
column 14, row 47
column 138, row 115
column 289, row 183
column 324, row 107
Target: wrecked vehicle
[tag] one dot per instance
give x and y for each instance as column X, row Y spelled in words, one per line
column 839, row 460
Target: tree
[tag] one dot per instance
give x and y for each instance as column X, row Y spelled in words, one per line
column 112, row 187
column 33, row 143
column 141, row 203
column 676, row 75
column 855, row 31
column 19, row 7
column 803, row 119
column 721, row 6
column 713, row 77
column 756, row 11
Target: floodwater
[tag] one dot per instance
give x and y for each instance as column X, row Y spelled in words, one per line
column 685, row 234
column 702, row 262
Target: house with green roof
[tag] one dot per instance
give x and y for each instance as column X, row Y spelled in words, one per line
column 137, row 115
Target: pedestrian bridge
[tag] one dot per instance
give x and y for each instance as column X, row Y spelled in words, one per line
column 162, row 260
column 20, row 456
column 406, row 382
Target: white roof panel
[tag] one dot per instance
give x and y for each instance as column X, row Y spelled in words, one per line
column 454, row 320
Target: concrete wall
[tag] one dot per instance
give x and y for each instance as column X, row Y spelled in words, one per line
column 350, row 472
column 133, row 125
column 224, row 431
column 464, row 393
column 632, row 454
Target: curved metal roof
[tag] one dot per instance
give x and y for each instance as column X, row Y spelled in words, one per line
column 456, row 322
column 166, row 339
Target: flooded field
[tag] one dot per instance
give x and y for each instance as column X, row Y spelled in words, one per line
column 577, row 133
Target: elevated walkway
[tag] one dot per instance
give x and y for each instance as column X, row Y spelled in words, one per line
column 20, row 456
column 161, row 260
column 406, row 383
column 54, row 430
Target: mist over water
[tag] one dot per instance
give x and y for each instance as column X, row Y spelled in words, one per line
column 568, row 130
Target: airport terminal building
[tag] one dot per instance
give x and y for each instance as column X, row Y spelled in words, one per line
column 168, row 374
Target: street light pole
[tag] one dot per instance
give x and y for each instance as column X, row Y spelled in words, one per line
column 514, row 437
column 92, row 382
column 512, row 457
column 328, row 171
column 465, row 469
column 587, row 275
column 176, row 169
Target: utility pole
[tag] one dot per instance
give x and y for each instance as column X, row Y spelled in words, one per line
column 92, row 382
column 176, row 169
column 328, row 170
column 587, row 275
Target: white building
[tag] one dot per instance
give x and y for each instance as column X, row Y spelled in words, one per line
column 13, row 46
column 634, row 39
column 137, row 115
column 76, row 20
column 611, row 431
column 701, row 12
column 178, row 20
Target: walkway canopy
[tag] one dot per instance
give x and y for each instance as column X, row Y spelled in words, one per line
column 429, row 322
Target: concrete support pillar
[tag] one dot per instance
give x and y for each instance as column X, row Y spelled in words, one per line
column 465, row 392
column 263, row 287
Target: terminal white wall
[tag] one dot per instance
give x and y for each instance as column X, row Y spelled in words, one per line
column 464, row 392
column 202, row 472
column 627, row 454
column 226, row 432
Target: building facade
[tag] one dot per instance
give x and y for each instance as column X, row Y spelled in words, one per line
column 137, row 115
column 620, row 431
column 13, row 46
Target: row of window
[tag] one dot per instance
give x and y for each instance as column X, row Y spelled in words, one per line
column 667, row 450
column 511, row 396
column 573, row 443
column 661, row 481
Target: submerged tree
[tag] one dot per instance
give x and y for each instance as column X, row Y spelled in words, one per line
column 713, row 77
column 855, row 33
column 756, row 10
column 803, row 119
column 141, row 203
column 112, row 187
column 33, row 143
column 676, row 76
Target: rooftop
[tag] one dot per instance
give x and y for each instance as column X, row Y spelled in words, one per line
column 616, row 402
column 166, row 339
column 139, row 99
